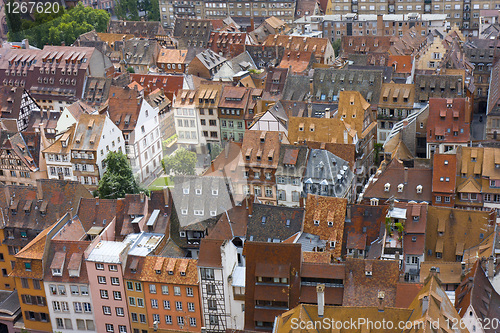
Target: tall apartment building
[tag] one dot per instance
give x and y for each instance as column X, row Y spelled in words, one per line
column 464, row 14
column 140, row 125
column 373, row 24
column 105, row 261
column 241, row 12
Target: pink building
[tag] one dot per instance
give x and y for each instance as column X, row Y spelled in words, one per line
column 104, row 267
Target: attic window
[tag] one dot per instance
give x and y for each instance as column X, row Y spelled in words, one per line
column 419, row 188
column 158, row 271
column 400, row 187
column 330, row 223
column 198, row 191
column 446, row 162
column 316, row 222
column 56, row 272
column 215, row 192
column 332, row 244
column 263, row 220
column 387, row 187
column 288, row 223
column 374, row 202
column 414, row 239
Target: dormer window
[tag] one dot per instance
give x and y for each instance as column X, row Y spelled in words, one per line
column 198, row 191
column 183, row 273
column 387, row 187
column 332, row 244
column 400, row 188
column 419, row 188
column 158, row 271
column 374, row 202
column 330, row 223
column 170, row 272
column 185, row 190
column 56, row 272
column 215, row 192
column 316, row 222
column 213, row 213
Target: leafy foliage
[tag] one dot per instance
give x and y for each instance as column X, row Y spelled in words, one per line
column 182, row 163
column 54, row 28
column 131, row 70
column 129, row 9
column 215, row 151
column 118, row 179
column 336, row 46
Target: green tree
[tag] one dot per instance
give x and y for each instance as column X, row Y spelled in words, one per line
column 64, row 26
column 118, row 179
column 215, row 150
column 154, row 12
column 336, row 46
column 183, row 162
column 131, row 70
column 14, row 22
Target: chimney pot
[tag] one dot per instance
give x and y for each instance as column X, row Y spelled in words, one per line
column 320, row 290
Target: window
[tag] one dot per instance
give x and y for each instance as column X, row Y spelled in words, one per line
column 166, row 305
column 190, row 306
column 74, row 290
column 36, row 284
column 156, row 317
column 99, row 266
column 178, row 306
column 77, row 306
column 56, row 306
column 189, row 291
column 164, row 290
column 120, row 312
column 61, row 290
column 110, row 328
column 106, row 310
column 154, row 304
column 177, row 291
column 84, row 290
column 122, row 328
column 101, row 279
column 133, row 316
column 152, row 288
column 140, row 302
column 117, row 295
column 115, row 281
column 138, row 286
column 192, row 322
column 168, row 319
column 142, row 318
column 180, row 321
column 87, row 307
column 113, row 268
column 104, row 293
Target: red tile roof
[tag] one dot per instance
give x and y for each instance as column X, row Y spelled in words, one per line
column 448, row 118
column 444, row 173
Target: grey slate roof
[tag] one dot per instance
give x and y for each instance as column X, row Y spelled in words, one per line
column 326, row 169
column 328, row 83
column 271, row 223
column 210, row 59
column 296, row 88
column 192, row 32
column 208, row 196
column 443, row 86
column 140, row 52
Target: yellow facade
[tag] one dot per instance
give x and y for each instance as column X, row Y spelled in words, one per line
column 6, row 281
column 136, row 298
column 35, row 315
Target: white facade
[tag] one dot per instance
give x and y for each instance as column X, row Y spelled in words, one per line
column 144, row 143
column 289, row 190
column 471, row 321
column 268, row 122
column 70, row 306
column 65, row 121
column 111, row 140
column 216, row 285
column 186, row 120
